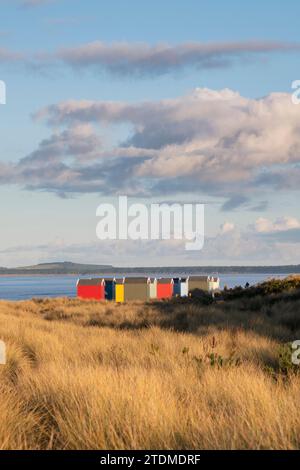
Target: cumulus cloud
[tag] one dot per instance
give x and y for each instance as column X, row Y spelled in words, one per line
column 264, row 225
column 228, row 246
column 227, row 227
column 283, row 232
column 209, row 142
column 79, row 142
column 144, row 59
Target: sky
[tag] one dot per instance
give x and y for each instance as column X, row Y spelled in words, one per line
column 174, row 101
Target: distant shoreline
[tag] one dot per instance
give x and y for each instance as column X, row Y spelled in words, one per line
column 141, row 273
column 67, row 268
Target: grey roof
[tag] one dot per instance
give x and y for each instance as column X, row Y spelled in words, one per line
column 136, row 280
column 165, row 280
column 198, row 278
column 90, row 282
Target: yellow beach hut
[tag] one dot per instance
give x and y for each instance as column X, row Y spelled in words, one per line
column 119, row 290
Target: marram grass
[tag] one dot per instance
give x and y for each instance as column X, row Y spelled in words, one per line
column 163, row 375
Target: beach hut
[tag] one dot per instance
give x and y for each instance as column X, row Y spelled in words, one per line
column 176, row 287
column 91, row 288
column 180, row 286
column 137, row 288
column 198, row 282
column 119, row 290
column 153, row 288
column 109, row 289
column 184, row 286
column 164, row 288
column 213, row 283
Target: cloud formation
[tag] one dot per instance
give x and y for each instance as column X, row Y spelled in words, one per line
column 142, row 59
column 263, row 225
column 210, row 142
column 146, row 60
column 284, row 229
column 231, row 244
column 227, row 227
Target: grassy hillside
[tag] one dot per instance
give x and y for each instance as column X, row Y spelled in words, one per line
column 180, row 374
column 64, row 267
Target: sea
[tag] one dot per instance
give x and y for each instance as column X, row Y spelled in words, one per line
column 26, row 287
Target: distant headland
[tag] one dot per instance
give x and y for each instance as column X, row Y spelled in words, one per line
column 67, row 267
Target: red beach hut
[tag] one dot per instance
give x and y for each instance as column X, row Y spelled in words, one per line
column 91, row 289
column 164, row 288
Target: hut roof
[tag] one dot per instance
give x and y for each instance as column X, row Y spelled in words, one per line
column 213, row 278
column 165, row 280
column 136, row 280
column 90, row 282
column 198, row 278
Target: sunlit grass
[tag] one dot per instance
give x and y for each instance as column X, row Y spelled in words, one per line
column 90, row 375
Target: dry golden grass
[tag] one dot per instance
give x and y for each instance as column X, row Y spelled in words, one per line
column 90, row 375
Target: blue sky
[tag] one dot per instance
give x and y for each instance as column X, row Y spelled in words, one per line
column 60, row 51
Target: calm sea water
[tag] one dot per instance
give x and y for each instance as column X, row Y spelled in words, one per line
column 26, row 287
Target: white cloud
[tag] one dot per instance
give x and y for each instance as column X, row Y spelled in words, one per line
column 264, row 225
column 227, row 227
column 232, row 245
column 207, row 142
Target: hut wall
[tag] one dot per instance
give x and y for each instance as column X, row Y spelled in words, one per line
column 165, row 290
column 184, row 289
column 201, row 284
column 91, row 292
column 119, row 292
column 136, row 291
column 177, row 287
column 109, row 289
column 153, row 289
